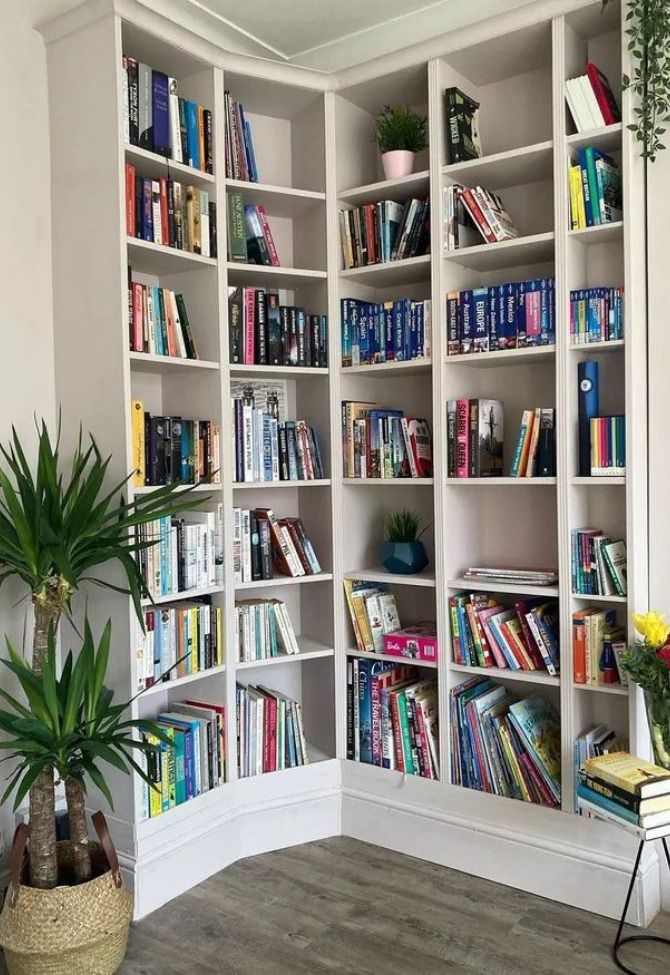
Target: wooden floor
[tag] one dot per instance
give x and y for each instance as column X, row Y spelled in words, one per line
column 340, row 906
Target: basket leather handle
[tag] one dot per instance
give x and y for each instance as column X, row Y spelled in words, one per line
column 19, row 843
column 101, row 828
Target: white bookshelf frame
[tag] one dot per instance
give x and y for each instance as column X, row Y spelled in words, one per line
column 551, row 853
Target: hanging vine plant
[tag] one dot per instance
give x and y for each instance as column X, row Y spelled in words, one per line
column 648, row 30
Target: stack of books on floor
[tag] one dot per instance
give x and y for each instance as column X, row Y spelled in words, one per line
column 384, row 443
column 182, row 553
column 515, row 578
column 263, row 630
column 158, row 322
column 503, row 745
column 263, row 543
column 626, row 790
column 596, row 315
column 591, row 100
column 177, row 641
column 595, row 189
column 250, row 239
column 535, row 448
column 462, row 128
column 157, row 119
column 268, row 449
column 390, row 331
column 386, row 231
column 608, row 446
column 598, row 563
column 171, row 450
column 474, row 438
column 473, row 215
column 240, row 157
column 163, row 211
column 513, row 315
column 598, row 645
column 193, row 763
column 264, row 332
column 270, row 733
column 524, row 636
column 392, row 717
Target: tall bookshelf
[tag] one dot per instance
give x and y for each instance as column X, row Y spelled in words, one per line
column 313, row 141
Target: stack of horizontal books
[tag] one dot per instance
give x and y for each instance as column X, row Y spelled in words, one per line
column 628, row 791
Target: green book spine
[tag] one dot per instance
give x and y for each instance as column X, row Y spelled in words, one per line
column 593, row 185
column 237, row 241
column 404, row 730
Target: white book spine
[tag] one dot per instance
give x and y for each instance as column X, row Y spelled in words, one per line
column 156, row 211
column 591, row 102
column 175, row 128
column 246, row 546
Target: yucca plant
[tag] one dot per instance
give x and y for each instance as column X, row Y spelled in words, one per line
column 400, row 128
column 57, row 526
column 71, row 724
column 404, row 526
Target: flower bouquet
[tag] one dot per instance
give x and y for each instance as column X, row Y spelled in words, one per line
column 647, row 662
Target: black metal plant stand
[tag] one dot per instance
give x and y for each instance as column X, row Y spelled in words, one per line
column 618, row 941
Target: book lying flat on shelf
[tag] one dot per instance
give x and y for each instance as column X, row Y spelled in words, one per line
column 391, row 331
column 513, row 315
column 386, row 231
column 240, row 156
column 163, row 211
column 263, row 630
column 384, row 443
column 591, row 100
column 625, row 790
column 177, row 641
column 271, row 735
column 474, row 438
column 535, row 577
column 263, row 330
column 158, row 322
column 596, row 315
column 462, row 126
column 595, row 189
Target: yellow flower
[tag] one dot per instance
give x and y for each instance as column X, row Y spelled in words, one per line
column 653, row 627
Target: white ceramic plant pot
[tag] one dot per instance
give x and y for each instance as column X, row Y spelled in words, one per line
column 397, row 163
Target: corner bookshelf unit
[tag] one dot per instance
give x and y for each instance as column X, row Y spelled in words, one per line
column 316, row 157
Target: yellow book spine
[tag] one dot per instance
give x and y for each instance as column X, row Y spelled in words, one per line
column 138, row 444
column 574, row 198
column 581, row 204
column 348, row 587
column 193, row 640
column 363, row 624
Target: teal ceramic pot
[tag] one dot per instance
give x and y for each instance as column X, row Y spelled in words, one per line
column 404, row 558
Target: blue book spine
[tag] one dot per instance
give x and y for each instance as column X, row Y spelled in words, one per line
column 480, row 309
column 163, row 545
column 587, row 376
column 397, row 331
column 521, row 327
column 249, row 150
column 508, row 322
column 147, row 211
column 585, row 185
column 179, row 745
column 354, row 331
column 344, row 322
column 418, row 352
column 407, row 329
column 380, row 331
column 453, row 335
column 160, row 113
column 189, row 764
column 365, row 711
column 494, row 318
column 590, row 795
column 363, row 333
column 192, row 135
column 552, row 311
column 373, row 349
column 388, row 330
column 412, row 330
column 465, row 325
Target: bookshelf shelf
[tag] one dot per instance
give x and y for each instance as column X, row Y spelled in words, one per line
column 185, row 594
column 150, row 164
column 388, row 481
column 416, row 184
column 277, row 372
column 386, row 657
column 157, row 259
column 607, row 138
column 164, row 686
column 261, row 485
column 493, row 360
column 284, row 581
column 515, row 167
column 598, row 481
column 501, row 481
column 603, row 233
column 408, row 271
column 195, row 488
column 166, row 363
column 616, row 689
column 580, row 597
column 497, row 673
column 382, row 369
column 309, row 650
column 617, row 345
column 181, row 814
column 376, row 574
column 271, row 277
column 280, row 201
column 534, row 249
column 469, row 584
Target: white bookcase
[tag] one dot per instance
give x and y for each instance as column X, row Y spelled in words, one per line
column 313, row 142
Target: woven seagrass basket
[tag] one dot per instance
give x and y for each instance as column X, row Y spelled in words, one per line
column 81, row 930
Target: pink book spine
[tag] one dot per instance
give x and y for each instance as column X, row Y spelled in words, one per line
column 138, row 318
column 411, row 645
column 533, row 317
column 376, row 698
column 495, row 649
column 462, row 438
column 269, row 239
column 249, row 330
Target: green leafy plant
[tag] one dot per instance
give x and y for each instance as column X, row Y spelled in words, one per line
column 404, row 526
column 71, row 724
column 648, row 31
column 647, row 662
column 58, row 524
column 401, row 128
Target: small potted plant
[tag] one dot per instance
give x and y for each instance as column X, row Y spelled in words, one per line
column 400, row 133
column 402, row 551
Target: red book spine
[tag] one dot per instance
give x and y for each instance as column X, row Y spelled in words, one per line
column 532, row 649
column 249, row 329
column 601, row 95
column 269, row 239
column 271, row 704
column 462, row 438
column 397, row 734
column 266, row 735
column 475, row 212
column 138, row 314
column 370, row 232
column 472, row 719
column 165, row 223
column 131, row 177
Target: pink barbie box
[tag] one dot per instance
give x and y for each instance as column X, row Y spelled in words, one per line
column 416, row 642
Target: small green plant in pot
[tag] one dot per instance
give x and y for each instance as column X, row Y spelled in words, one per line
column 402, row 551
column 400, row 133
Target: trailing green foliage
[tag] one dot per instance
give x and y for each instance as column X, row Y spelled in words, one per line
column 404, row 526
column 69, row 722
column 401, row 128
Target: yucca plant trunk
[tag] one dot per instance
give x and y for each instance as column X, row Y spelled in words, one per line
column 76, row 811
column 43, row 859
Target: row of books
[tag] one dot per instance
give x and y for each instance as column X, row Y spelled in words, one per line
column 262, row 543
column 158, row 322
column 182, row 554
column 484, row 633
column 384, row 443
column 270, row 731
column 474, row 438
column 195, row 760
column 505, row 746
column 268, row 449
column 512, row 315
column 263, row 630
column 608, row 446
column 178, row 641
column 597, row 647
column 598, row 563
column 392, row 717
column 157, row 119
column 163, row 211
column 250, row 239
column 240, row 156
column 591, row 100
column 264, row 332
column 624, row 789
column 376, row 624
column 377, row 233
column 596, row 315
column 535, row 448
column 595, row 189
column 170, row 450
column 462, row 126
column 388, row 331
column 472, row 215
